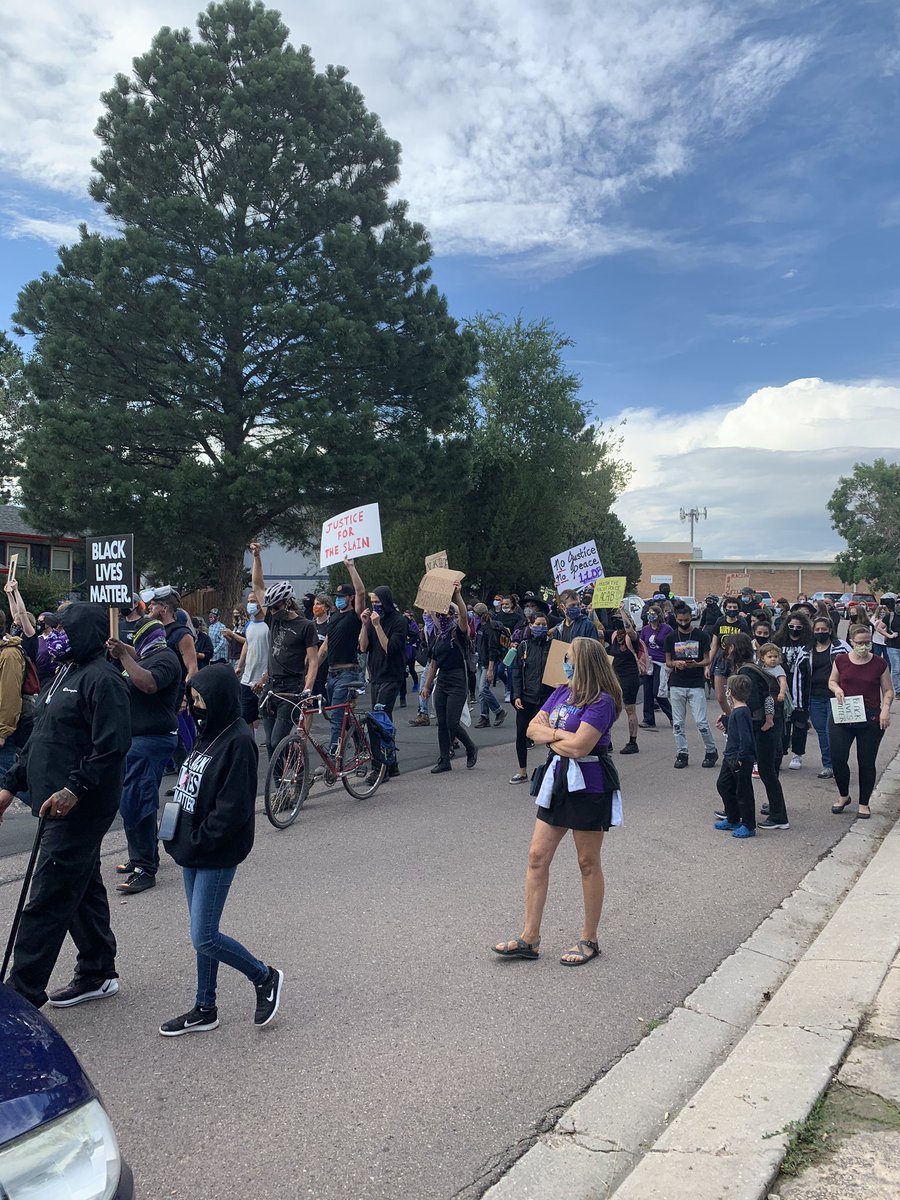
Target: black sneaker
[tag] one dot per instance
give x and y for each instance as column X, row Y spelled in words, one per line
column 268, row 995
column 80, row 990
column 440, row 767
column 124, row 868
column 198, row 1020
column 681, row 761
column 482, row 723
column 630, row 748
column 137, row 881
column 472, row 758
column 500, row 717
column 768, row 823
column 711, row 759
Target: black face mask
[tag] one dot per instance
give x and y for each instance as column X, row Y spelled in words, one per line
column 201, row 718
column 822, row 635
column 731, row 614
column 795, row 631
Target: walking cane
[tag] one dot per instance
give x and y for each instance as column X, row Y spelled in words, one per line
column 25, row 886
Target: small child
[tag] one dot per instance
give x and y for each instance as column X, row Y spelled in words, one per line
column 770, row 660
column 735, row 782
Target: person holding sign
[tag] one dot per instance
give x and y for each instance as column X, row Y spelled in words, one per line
column 858, row 674
column 579, row 790
column 447, row 660
column 687, row 657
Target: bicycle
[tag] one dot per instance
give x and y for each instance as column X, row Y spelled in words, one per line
column 289, row 778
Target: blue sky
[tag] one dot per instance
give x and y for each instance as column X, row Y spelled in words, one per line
column 702, row 195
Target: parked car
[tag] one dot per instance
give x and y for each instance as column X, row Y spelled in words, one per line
column 828, row 597
column 765, row 599
column 858, row 597
column 55, row 1136
column 692, row 605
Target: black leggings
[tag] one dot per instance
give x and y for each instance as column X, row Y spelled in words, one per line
column 768, row 761
column 868, row 739
column 524, row 716
column 449, row 698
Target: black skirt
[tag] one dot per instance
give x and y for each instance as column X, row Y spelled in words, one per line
column 587, row 811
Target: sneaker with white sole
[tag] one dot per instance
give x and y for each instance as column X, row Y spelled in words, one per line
column 198, row 1020
column 768, row 823
column 825, row 773
column 796, row 763
column 80, row 990
column 268, row 997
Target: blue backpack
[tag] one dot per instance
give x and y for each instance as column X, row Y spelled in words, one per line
column 382, row 734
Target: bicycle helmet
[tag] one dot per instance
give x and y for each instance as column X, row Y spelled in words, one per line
column 277, row 592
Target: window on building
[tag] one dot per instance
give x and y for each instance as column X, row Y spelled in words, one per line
column 61, row 563
column 22, row 551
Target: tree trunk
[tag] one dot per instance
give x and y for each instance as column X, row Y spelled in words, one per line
column 230, row 588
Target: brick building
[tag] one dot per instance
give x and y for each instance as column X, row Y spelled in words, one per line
column 690, row 574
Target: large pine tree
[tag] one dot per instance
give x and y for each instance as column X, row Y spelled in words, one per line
column 260, row 341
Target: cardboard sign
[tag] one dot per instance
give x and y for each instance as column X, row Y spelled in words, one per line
column 849, row 711
column 436, row 560
column 735, row 582
column 110, row 569
column 11, row 568
column 554, row 675
column 609, row 592
column 436, row 588
column 576, row 567
column 351, row 534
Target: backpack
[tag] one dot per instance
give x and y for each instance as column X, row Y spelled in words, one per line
column 503, row 634
column 382, row 734
column 771, row 683
column 31, row 684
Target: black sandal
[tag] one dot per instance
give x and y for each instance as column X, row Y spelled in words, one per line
column 520, row 950
column 584, row 954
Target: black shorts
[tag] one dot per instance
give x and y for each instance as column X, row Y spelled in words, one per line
column 631, row 684
column 249, row 704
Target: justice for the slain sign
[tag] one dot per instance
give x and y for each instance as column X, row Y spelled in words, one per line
column 110, row 569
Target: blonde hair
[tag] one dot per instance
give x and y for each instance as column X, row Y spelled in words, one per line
column 594, row 674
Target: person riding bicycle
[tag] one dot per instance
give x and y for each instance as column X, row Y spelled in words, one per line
column 293, row 653
column 340, row 650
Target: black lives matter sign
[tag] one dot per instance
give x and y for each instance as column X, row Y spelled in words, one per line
column 110, row 569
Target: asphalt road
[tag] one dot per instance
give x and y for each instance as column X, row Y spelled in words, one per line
column 407, row 1060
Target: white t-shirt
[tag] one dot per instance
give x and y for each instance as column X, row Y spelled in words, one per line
column 256, row 659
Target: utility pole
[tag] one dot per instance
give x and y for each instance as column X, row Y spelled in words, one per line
column 693, row 515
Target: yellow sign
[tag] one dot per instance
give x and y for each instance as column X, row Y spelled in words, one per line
column 608, row 592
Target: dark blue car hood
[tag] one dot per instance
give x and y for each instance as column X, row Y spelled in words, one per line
column 40, row 1077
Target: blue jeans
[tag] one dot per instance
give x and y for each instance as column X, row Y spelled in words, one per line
column 207, row 890
column 487, row 701
column 7, row 755
column 139, row 806
column 339, row 688
column 893, row 657
column 819, row 712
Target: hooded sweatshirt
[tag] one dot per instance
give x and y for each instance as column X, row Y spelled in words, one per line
column 389, row 666
column 12, row 672
column 216, row 786
column 82, row 728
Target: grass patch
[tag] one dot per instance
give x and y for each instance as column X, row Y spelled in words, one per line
column 807, row 1139
column 651, row 1024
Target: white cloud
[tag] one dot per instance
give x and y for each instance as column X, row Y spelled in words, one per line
column 524, row 128
column 764, row 468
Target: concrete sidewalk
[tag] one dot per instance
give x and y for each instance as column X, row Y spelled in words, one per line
column 708, row 1104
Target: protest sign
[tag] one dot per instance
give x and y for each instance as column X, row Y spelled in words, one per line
column 110, row 569
column 436, row 588
column 849, row 711
column 11, row 568
column 609, row 592
column 735, row 581
column 351, row 534
column 436, row 560
column 554, row 675
column 576, row 567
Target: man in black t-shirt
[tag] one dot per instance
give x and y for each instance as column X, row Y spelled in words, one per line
column 293, row 653
column 153, row 673
column 340, row 650
column 687, row 657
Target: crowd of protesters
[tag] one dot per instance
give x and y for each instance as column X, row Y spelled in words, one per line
column 91, row 723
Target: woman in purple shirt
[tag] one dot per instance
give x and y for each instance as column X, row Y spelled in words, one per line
column 580, row 791
column 653, row 635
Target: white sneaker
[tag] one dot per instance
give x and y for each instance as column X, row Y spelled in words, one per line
column 796, row 763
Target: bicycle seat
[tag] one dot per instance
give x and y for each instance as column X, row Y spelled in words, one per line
column 358, row 691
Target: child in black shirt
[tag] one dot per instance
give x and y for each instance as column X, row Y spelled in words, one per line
column 735, row 782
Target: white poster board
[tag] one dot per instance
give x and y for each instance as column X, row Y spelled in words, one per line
column 577, row 567
column 849, row 711
column 351, row 534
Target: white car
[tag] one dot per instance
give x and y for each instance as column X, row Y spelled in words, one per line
column 692, row 605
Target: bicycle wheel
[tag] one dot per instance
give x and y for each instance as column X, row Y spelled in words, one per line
column 287, row 781
column 356, row 765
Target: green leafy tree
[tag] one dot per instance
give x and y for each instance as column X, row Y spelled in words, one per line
column 543, row 477
column 261, row 344
column 865, row 511
column 13, row 394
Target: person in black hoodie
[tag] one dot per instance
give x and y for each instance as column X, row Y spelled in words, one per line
column 214, row 810
column 527, row 688
column 383, row 640
column 73, row 767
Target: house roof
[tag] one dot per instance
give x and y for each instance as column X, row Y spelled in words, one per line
column 13, row 523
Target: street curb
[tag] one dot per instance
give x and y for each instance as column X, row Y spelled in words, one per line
column 781, row 1012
